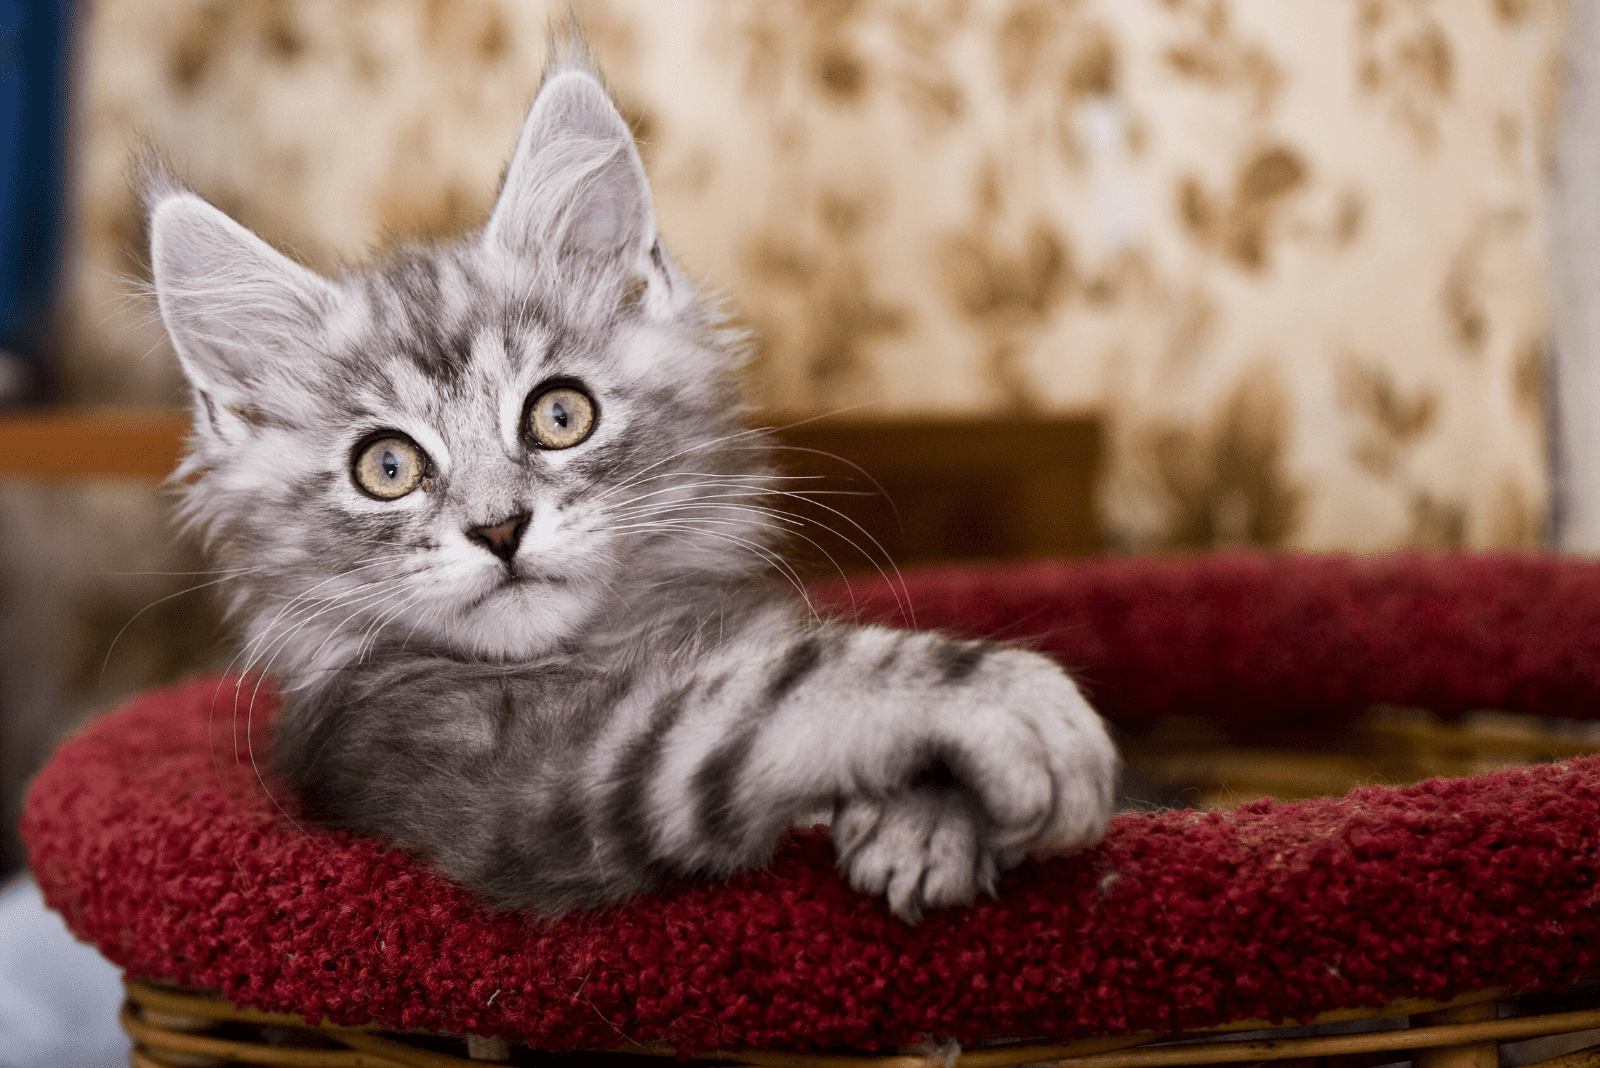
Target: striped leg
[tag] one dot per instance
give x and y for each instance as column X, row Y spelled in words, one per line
column 945, row 762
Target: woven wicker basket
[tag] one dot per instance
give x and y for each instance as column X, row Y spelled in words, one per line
column 186, row 1030
column 183, row 1029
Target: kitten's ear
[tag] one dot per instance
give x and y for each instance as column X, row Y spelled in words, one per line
column 237, row 310
column 575, row 183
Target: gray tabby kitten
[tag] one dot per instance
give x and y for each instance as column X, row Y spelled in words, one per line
column 490, row 516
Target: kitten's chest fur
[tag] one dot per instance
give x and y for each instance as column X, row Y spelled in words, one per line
column 401, row 714
column 401, row 722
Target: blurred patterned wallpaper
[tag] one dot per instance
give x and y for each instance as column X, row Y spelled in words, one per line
column 1291, row 253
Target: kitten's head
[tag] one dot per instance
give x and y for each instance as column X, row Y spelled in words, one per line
column 481, row 446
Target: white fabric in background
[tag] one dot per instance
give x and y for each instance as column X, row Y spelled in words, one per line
column 58, row 997
column 1574, row 235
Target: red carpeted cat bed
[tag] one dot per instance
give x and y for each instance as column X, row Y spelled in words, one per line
column 150, row 832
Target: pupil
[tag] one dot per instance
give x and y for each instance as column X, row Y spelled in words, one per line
column 391, row 466
column 558, row 412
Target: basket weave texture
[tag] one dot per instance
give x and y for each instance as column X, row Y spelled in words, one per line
column 153, row 835
column 184, row 1030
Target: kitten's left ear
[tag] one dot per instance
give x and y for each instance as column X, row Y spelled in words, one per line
column 575, row 183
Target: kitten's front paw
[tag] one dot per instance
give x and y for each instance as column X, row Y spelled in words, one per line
column 1033, row 754
column 998, row 759
column 920, row 849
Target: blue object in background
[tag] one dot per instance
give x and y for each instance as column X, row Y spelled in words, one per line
column 35, row 50
column 58, row 996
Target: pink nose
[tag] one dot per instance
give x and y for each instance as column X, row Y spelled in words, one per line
column 501, row 538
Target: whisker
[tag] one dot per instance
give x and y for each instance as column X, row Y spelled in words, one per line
column 267, row 789
column 370, row 636
column 666, row 528
column 749, row 432
column 796, row 519
column 304, row 594
column 361, row 600
column 112, row 647
column 632, row 479
column 902, row 595
column 684, row 524
column 267, row 641
column 209, row 571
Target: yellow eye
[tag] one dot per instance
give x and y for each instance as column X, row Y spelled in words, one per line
column 560, row 418
column 389, row 468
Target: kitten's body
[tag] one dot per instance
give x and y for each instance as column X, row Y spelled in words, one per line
column 547, row 655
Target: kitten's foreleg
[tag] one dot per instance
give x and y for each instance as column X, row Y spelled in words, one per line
column 945, row 762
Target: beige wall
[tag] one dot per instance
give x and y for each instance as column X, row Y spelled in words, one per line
column 1290, row 251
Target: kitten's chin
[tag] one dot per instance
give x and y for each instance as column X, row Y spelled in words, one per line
column 519, row 621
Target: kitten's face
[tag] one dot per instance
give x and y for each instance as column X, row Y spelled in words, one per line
column 483, row 446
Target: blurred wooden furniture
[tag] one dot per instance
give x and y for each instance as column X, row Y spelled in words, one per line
column 91, row 442
column 865, row 493
column 931, row 490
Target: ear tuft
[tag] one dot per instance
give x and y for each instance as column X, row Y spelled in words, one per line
column 575, row 184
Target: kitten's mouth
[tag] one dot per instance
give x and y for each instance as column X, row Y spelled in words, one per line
column 518, row 576
column 515, row 580
column 534, row 578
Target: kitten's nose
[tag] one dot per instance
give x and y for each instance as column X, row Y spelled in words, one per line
column 501, row 538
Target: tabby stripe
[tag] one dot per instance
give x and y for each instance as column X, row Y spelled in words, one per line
column 801, row 661
column 889, row 658
column 634, row 772
column 717, row 777
column 587, row 721
column 512, row 869
column 311, row 484
column 211, row 411
column 957, row 660
column 604, row 464
column 714, row 783
column 563, row 829
column 506, row 721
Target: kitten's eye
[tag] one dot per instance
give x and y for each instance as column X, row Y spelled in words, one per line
column 560, row 418
column 389, row 468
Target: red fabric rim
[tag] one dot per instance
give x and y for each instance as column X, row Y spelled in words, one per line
column 152, row 834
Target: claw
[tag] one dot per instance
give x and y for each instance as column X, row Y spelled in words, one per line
column 1006, row 859
column 986, row 875
column 853, row 829
column 905, row 897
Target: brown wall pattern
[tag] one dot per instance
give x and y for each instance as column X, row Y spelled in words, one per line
column 1291, row 252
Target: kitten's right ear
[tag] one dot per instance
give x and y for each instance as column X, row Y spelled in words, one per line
column 237, row 310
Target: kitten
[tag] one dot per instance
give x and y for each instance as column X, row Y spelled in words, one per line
column 494, row 523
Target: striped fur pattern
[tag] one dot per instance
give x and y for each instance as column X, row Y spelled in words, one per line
column 612, row 689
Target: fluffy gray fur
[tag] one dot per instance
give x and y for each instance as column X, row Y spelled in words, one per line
column 624, row 694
